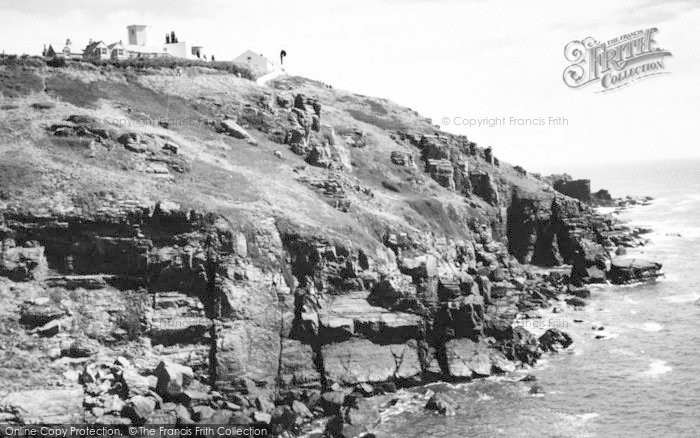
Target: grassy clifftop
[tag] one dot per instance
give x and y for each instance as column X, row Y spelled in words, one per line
column 258, row 174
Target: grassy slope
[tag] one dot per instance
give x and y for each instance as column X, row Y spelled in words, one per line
column 226, row 175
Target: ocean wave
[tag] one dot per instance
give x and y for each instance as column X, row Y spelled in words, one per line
column 652, row 326
column 683, row 298
column 628, row 299
column 657, row 367
column 588, row 416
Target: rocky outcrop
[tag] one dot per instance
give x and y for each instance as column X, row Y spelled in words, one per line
column 624, row 270
column 578, row 189
column 257, row 304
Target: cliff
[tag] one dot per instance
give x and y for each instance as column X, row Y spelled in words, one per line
column 196, row 247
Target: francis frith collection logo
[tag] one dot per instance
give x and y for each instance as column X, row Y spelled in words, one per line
column 614, row 63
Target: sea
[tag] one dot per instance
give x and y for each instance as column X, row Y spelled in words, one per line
column 634, row 367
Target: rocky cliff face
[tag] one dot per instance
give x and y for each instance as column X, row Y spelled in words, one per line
column 199, row 248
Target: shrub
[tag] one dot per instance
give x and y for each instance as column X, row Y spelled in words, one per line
column 22, row 61
column 56, row 62
column 172, row 62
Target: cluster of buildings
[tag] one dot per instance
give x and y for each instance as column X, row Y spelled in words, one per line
column 141, row 45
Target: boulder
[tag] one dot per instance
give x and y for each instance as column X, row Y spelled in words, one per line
column 23, row 263
column 173, row 379
column 575, row 301
column 301, row 409
column 466, row 358
column 297, row 365
column 139, row 408
column 360, row 360
column 202, row 413
column 627, row 269
column 484, row 187
column 262, row 417
column 497, row 275
column 81, row 348
column 133, row 382
column 34, row 315
column 442, row 404
column 233, row 129
column 580, row 292
column 554, row 340
column 45, row 405
column 332, row 401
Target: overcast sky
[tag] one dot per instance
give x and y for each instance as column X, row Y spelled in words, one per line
column 446, row 59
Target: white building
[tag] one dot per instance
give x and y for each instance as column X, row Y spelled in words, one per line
column 68, row 51
column 257, row 63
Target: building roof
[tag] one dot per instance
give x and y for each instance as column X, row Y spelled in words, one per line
column 243, row 57
column 90, row 47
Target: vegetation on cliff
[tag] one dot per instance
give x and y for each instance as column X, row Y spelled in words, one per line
column 190, row 246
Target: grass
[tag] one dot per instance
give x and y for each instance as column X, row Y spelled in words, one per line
column 17, row 81
column 389, row 124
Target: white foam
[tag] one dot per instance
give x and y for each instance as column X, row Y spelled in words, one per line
column 684, row 298
column 657, row 367
column 484, row 397
column 652, row 326
column 588, row 416
column 628, row 299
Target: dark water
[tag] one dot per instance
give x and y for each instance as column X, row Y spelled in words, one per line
column 642, row 379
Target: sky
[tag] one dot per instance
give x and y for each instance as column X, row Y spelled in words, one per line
column 450, row 60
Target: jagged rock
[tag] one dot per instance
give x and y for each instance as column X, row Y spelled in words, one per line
column 328, row 134
column 523, row 346
column 315, row 123
column 173, row 379
column 45, row 405
column 301, row 409
column 402, row 159
column 113, row 404
column 536, row 389
column 364, row 413
column 134, row 383
column 23, row 263
column 625, row 270
column 182, row 415
column 576, row 302
column 82, row 119
column 442, row 404
column 580, row 292
column 320, row 156
column 391, row 288
column 233, row 129
column 484, row 187
column 442, row 172
column 332, row 401
column 488, row 155
column 262, row 417
column 360, row 360
column 554, row 340
column 133, row 142
column 497, row 275
column 202, row 413
column 139, row 408
column 35, row 315
column 347, row 315
column 466, row 358
column 81, row 348
column 297, row 365
column 579, row 189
